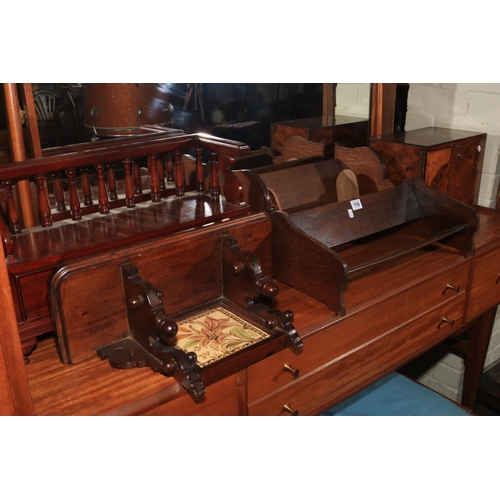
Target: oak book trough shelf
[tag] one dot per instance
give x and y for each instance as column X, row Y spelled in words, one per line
column 319, row 249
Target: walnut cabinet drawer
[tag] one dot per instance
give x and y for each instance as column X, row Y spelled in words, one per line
column 341, row 377
column 354, row 330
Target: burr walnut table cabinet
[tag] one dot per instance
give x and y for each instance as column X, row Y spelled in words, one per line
column 449, row 160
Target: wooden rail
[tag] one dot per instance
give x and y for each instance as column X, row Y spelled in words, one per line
column 66, row 183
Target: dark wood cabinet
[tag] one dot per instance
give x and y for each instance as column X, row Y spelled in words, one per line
column 450, row 161
column 346, row 130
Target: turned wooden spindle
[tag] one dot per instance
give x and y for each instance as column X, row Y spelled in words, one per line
column 86, row 189
column 160, row 167
column 169, row 168
column 179, row 175
column 102, row 191
column 74, row 200
column 43, row 201
column 129, row 184
column 12, row 213
column 155, row 179
column 200, row 173
column 59, row 193
column 214, row 175
column 113, row 194
column 136, row 176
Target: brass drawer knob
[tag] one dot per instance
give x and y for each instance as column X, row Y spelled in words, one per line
column 449, row 286
column 444, row 319
column 291, row 370
column 290, row 410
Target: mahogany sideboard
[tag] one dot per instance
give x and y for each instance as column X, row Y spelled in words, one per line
column 450, row 161
column 393, row 314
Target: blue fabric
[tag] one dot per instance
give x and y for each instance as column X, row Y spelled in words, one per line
column 396, row 395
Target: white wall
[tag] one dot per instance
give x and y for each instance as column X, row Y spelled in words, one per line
column 463, row 106
column 353, row 99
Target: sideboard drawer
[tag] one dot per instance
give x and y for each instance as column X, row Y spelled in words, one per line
column 221, row 399
column 341, row 377
column 485, row 285
column 354, row 330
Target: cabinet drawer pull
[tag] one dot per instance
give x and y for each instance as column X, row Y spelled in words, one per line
column 444, row 319
column 449, row 286
column 290, row 410
column 498, row 279
column 291, row 370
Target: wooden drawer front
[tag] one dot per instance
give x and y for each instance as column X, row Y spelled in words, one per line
column 339, row 379
column 221, row 398
column 33, row 288
column 356, row 329
column 485, row 286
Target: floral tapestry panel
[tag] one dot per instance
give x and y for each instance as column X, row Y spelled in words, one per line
column 215, row 334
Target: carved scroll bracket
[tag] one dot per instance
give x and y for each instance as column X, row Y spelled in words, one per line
column 149, row 331
column 245, row 283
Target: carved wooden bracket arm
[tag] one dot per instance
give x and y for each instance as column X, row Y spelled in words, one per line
column 149, row 332
column 246, row 283
column 283, row 319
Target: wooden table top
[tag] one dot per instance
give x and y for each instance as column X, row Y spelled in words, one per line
column 428, row 136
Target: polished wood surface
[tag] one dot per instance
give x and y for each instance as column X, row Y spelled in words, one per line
column 94, row 388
